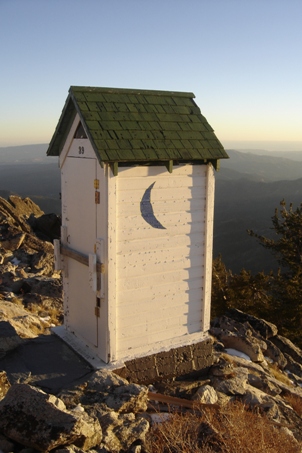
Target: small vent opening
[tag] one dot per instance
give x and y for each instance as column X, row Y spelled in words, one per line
column 80, row 132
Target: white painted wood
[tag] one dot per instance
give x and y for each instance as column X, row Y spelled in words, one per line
column 208, row 256
column 64, row 242
column 155, row 291
column 159, row 280
column 79, row 220
column 102, row 254
column 92, row 274
column 81, row 148
column 112, row 244
column 68, row 143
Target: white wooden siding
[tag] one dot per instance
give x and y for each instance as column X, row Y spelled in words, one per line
column 159, row 272
column 83, row 224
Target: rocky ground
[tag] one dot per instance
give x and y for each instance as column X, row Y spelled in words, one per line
column 99, row 411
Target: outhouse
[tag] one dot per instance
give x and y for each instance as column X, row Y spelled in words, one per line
column 137, row 172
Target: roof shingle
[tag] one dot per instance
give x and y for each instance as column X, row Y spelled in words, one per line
column 126, row 125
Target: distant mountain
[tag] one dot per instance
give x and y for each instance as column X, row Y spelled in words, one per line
column 28, row 172
column 293, row 155
column 40, row 182
column 25, row 154
column 244, row 204
column 259, row 168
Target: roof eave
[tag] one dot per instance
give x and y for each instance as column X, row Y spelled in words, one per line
column 59, row 137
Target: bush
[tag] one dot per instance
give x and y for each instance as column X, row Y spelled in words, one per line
column 229, row 429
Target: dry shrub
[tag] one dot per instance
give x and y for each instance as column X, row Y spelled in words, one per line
column 295, row 402
column 278, row 374
column 47, row 307
column 229, row 429
column 17, row 301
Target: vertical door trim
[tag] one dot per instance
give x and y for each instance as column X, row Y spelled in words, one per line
column 208, row 247
column 111, row 290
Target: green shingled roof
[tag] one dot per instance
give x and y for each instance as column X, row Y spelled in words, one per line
column 127, row 125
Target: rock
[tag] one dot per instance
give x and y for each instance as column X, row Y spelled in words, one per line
column 40, row 421
column 265, row 328
column 120, row 431
column 206, row 395
column 233, row 386
column 13, row 242
column 249, row 345
column 128, row 398
column 24, row 207
column 255, row 397
column 25, row 324
column 46, row 226
column 9, row 339
column 293, row 366
column 4, row 385
column 10, row 216
column 286, row 346
column 264, row 384
column 6, row 445
column 235, row 335
column 274, row 353
column 223, row 368
column 108, row 391
column 26, row 268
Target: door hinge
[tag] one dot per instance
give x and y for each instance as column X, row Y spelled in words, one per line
column 97, row 197
column 96, row 184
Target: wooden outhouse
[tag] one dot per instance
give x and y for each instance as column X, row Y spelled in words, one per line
column 137, row 172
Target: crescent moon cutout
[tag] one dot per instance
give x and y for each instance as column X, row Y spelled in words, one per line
column 147, row 209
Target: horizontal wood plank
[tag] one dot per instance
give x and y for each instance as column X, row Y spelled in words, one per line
column 81, row 258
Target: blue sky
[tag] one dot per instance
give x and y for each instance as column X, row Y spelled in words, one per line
column 241, row 58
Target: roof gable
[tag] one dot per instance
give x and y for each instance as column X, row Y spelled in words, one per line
column 127, row 125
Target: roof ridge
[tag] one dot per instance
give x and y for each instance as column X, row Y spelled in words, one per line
column 75, row 88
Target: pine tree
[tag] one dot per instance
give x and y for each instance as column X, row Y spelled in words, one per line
column 287, row 284
column 275, row 297
column 287, row 225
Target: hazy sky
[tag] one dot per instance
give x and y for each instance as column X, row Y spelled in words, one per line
column 241, row 58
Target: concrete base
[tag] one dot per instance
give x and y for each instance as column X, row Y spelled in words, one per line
column 176, row 362
column 169, row 364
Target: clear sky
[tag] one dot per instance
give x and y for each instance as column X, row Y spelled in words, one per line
column 241, row 58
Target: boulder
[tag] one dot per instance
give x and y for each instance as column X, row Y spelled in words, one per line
column 235, row 385
column 256, row 397
column 274, row 353
column 265, row 328
column 247, row 344
column 13, row 242
column 6, row 445
column 25, row 324
column 264, row 384
column 286, row 346
column 128, row 398
column 120, row 431
column 293, row 366
column 24, row 207
column 223, row 368
column 47, row 226
column 40, row 421
column 206, row 395
column 9, row 339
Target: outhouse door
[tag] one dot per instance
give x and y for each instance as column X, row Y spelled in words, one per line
column 85, row 314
